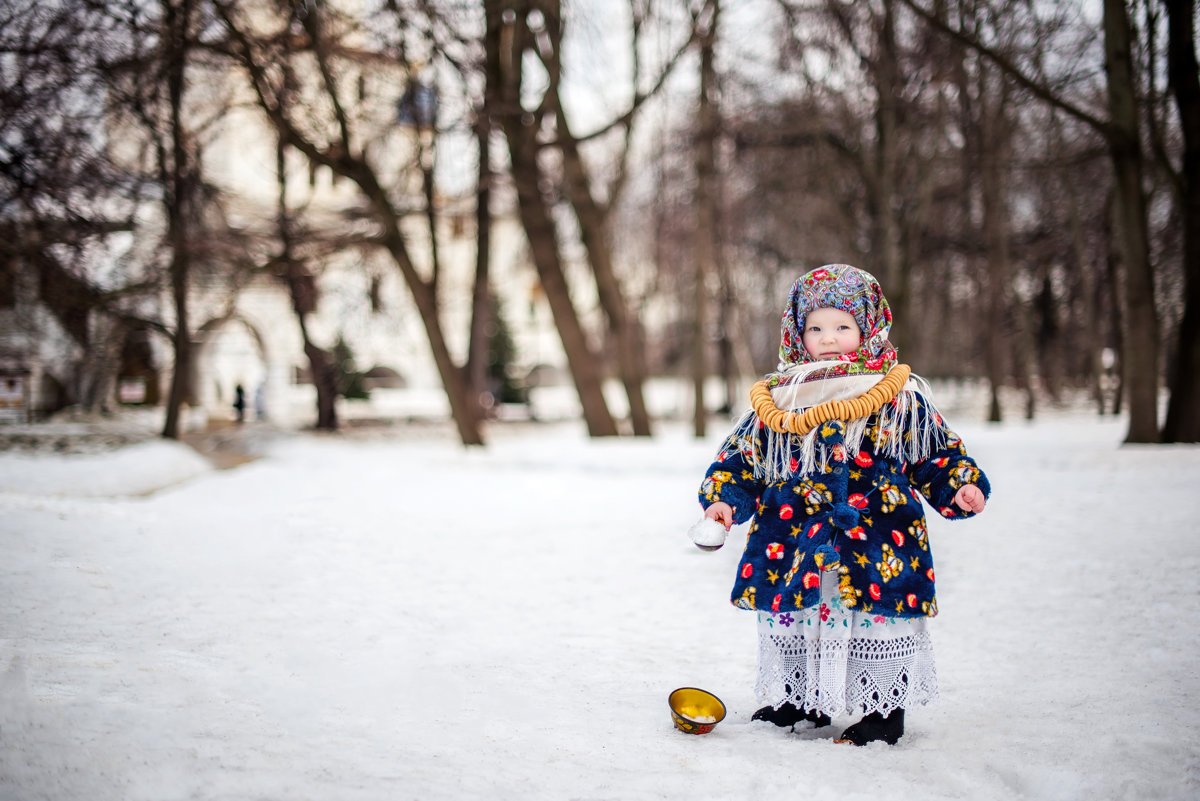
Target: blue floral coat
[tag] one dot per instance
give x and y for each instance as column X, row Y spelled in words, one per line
column 867, row 506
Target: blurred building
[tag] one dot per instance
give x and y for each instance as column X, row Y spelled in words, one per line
column 245, row 330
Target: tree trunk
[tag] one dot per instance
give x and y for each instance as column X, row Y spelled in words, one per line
column 706, row 233
column 463, row 409
column 540, row 229
column 102, row 361
column 885, row 239
column 1118, row 312
column 993, row 141
column 325, row 382
column 506, row 43
column 1044, row 328
column 480, row 307
column 1183, row 412
column 177, row 193
column 303, row 292
column 995, row 234
column 982, row 181
column 1139, row 362
column 593, row 227
column 1140, row 349
column 1091, row 290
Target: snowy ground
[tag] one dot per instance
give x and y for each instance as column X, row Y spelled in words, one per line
column 400, row 618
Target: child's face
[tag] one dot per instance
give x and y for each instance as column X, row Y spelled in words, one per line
column 828, row 333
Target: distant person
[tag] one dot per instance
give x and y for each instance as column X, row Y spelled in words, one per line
column 829, row 462
column 239, row 402
column 260, row 402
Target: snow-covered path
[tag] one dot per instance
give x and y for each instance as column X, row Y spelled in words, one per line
column 411, row 620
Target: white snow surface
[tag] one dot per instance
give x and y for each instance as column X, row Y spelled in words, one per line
column 409, row 619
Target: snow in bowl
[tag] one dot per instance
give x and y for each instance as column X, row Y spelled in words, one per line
column 695, row 711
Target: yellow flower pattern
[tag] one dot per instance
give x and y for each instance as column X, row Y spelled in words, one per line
column 868, row 507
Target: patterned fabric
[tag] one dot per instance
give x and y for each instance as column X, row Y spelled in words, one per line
column 837, row 661
column 848, row 289
column 864, row 506
column 847, row 496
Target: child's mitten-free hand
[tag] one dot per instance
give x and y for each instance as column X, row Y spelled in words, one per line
column 721, row 512
column 710, row 531
column 970, row 498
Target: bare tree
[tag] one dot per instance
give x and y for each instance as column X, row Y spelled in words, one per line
column 509, row 36
column 61, row 197
column 106, row 139
column 1121, row 132
column 873, row 145
column 308, row 107
column 556, row 186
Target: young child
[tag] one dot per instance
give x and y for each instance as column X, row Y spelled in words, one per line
column 829, row 463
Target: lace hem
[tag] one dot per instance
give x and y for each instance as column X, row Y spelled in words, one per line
column 837, row 676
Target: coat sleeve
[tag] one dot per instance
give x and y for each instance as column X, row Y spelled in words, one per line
column 730, row 478
column 948, row 468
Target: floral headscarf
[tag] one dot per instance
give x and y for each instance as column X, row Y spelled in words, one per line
column 848, row 289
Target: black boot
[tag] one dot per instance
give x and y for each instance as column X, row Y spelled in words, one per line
column 875, row 727
column 788, row 714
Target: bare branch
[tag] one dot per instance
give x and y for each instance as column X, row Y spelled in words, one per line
column 1010, row 69
column 639, row 99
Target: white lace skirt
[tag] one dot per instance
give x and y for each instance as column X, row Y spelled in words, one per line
column 837, row 661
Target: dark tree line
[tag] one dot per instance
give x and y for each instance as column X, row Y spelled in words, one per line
column 1018, row 178
column 1022, row 179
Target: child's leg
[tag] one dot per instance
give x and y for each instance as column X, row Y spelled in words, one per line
column 782, row 674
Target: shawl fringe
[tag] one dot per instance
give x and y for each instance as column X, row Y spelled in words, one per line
column 904, row 431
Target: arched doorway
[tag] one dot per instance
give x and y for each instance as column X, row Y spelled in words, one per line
column 230, row 352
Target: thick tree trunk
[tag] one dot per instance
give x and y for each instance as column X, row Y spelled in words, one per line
column 324, row 380
column 1140, row 360
column 303, row 293
column 1183, row 412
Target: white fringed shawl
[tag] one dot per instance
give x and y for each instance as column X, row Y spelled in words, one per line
column 909, row 427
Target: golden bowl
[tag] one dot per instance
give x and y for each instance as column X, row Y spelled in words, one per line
column 695, row 711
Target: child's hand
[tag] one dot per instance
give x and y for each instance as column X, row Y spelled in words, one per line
column 722, row 512
column 970, row 498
